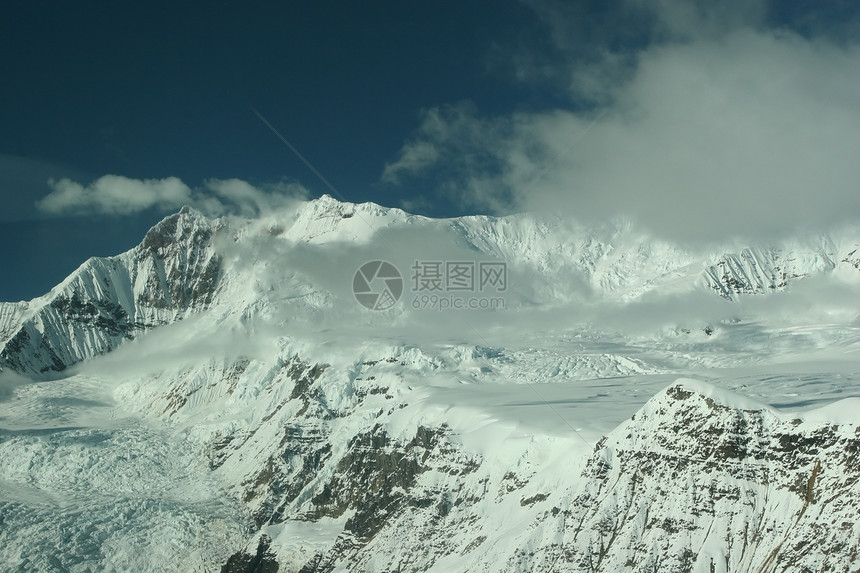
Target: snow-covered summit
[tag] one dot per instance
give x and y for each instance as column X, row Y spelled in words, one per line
column 328, row 220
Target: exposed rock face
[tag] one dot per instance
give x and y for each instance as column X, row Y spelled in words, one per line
column 262, row 561
column 175, row 267
column 753, row 271
column 11, row 314
column 377, row 481
column 175, row 270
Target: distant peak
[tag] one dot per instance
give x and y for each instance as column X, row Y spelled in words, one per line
column 326, row 199
column 189, row 211
column 326, row 206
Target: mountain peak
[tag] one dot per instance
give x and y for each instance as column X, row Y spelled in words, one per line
column 187, row 222
column 106, row 300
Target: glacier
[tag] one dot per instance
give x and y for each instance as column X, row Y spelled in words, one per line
column 215, row 399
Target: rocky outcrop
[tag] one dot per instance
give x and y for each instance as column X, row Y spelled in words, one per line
column 261, row 561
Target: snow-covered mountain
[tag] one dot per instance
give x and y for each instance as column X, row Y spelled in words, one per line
column 219, row 387
column 173, row 271
column 177, row 269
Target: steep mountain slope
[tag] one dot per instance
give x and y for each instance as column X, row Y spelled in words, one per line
column 698, row 480
column 11, row 315
column 760, row 270
column 611, row 259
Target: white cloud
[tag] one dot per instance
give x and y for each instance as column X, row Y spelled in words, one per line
column 118, row 195
column 414, row 157
column 9, row 381
column 115, row 195
column 251, row 201
column 745, row 133
column 752, row 135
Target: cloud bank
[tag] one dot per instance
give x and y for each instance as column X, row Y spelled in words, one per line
column 118, row 195
column 718, row 126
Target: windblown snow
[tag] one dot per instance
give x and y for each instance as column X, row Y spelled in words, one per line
column 216, row 399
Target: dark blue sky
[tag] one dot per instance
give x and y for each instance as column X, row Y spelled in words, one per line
column 165, row 89
column 156, row 89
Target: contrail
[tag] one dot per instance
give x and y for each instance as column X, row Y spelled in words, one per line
column 299, row 155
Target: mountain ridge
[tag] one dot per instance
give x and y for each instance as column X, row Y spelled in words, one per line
column 177, row 268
